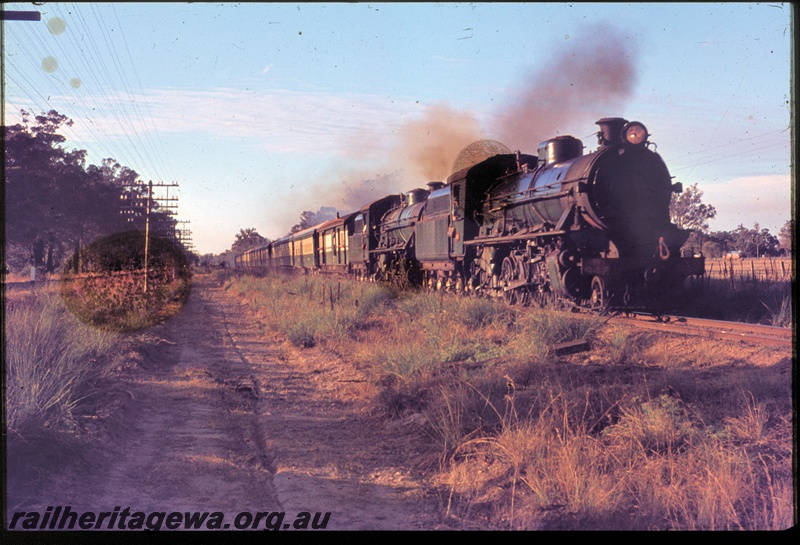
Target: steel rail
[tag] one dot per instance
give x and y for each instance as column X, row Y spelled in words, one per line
column 716, row 329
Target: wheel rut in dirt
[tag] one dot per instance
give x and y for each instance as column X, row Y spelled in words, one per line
column 325, row 448
column 216, row 418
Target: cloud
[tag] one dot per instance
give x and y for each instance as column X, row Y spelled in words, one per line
column 270, row 121
column 279, row 121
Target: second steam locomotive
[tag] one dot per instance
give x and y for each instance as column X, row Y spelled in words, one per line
column 590, row 228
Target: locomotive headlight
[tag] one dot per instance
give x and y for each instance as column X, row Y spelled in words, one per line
column 635, row 133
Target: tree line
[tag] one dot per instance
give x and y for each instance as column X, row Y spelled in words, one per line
column 55, row 203
column 688, row 211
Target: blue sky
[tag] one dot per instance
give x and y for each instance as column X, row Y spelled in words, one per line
column 260, row 111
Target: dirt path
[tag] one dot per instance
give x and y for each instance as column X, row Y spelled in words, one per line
column 218, row 416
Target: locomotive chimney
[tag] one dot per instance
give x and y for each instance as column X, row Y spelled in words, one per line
column 610, row 132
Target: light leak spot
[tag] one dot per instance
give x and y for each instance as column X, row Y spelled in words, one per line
column 49, row 64
column 56, row 26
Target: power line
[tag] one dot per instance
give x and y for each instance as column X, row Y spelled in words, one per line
column 738, row 151
column 136, row 134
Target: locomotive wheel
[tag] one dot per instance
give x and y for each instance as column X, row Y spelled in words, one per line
column 598, row 300
column 540, row 296
column 459, row 285
column 431, row 283
column 507, row 274
column 510, row 296
column 572, row 282
column 477, row 278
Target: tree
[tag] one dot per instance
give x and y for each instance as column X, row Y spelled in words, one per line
column 786, row 234
column 712, row 248
column 718, row 243
column 687, row 210
column 246, row 239
column 49, row 192
column 755, row 242
column 310, row 219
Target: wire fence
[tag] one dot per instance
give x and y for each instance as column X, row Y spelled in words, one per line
column 751, row 270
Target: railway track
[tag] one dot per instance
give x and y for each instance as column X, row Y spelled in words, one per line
column 714, row 329
column 16, row 286
column 701, row 327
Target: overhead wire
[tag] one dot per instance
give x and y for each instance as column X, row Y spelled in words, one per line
column 734, row 151
column 118, row 106
column 34, row 48
column 119, row 109
column 117, row 117
column 162, row 158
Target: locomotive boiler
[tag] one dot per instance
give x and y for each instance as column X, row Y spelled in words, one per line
column 590, row 228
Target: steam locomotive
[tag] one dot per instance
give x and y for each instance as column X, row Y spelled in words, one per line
column 593, row 229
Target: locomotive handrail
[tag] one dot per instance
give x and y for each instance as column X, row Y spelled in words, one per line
column 387, row 250
column 547, row 186
column 535, row 199
column 545, row 197
column 511, row 238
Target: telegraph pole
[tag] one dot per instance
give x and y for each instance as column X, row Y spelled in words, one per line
column 135, row 202
column 184, row 235
column 147, row 231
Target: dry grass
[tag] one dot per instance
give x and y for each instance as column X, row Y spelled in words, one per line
column 742, row 271
column 656, row 467
column 643, row 432
column 51, row 360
